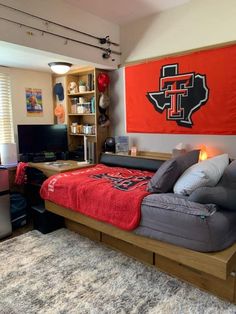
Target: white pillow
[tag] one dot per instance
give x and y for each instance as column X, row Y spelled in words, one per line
column 204, row 173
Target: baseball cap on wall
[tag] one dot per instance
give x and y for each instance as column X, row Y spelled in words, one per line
column 59, row 91
column 60, row 113
column 104, row 101
column 103, row 81
column 103, row 120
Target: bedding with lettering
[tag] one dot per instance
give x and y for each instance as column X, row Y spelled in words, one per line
column 109, row 194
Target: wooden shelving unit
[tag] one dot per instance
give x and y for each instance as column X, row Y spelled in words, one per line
column 76, row 140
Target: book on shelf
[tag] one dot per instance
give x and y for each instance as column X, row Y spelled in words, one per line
column 90, row 82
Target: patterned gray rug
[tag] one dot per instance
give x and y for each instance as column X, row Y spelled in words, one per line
column 62, row 272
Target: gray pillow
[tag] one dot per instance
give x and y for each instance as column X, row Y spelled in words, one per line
column 168, row 173
column 223, row 194
column 229, row 175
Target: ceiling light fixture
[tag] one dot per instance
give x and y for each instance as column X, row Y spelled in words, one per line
column 60, row 67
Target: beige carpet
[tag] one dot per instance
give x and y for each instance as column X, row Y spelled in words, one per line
column 62, row 272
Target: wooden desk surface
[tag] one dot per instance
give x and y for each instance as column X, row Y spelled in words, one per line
column 54, row 167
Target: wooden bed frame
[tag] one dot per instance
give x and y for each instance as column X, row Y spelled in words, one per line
column 213, row 272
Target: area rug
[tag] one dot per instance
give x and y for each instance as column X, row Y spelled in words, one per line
column 63, row 272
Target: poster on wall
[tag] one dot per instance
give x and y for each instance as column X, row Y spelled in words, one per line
column 189, row 94
column 34, row 105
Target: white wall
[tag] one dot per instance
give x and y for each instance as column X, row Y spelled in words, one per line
column 22, row 79
column 193, row 25
column 61, row 12
column 196, row 24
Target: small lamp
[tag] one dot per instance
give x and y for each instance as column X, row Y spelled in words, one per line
column 203, row 153
column 60, row 67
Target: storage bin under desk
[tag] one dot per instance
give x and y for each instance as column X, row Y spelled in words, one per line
column 45, row 221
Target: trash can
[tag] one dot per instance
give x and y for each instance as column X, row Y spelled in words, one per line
column 45, row 221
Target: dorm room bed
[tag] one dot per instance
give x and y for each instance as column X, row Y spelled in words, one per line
column 169, row 238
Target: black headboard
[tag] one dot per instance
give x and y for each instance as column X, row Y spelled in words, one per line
column 130, row 162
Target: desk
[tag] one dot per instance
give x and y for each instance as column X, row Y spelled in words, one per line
column 59, row 166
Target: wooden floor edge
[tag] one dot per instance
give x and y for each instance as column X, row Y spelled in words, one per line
column 216, row 264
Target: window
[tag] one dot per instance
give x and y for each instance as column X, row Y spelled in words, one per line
column 6, row 121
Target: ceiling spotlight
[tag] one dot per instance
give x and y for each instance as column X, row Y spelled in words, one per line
column 105, row 40
column 60, row 67
column 106, row 54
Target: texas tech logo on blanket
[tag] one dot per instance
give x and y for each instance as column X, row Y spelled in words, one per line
column 123, row 183
column 180, row 94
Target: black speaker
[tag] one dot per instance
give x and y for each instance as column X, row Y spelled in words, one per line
column 62, row 155
column 77, row 154
column 110, row 145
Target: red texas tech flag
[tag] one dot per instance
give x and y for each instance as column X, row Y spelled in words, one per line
column 193, row 93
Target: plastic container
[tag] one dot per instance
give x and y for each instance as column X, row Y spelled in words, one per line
column 74, row 128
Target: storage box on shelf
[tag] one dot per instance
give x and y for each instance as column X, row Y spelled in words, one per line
column 83, row 112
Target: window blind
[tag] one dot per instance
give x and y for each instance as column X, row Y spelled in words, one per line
column 6, row 120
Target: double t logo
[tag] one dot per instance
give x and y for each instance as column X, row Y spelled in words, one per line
column 180, row 94
column 123, row 183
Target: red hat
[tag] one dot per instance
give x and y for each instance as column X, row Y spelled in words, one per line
column 103, row 81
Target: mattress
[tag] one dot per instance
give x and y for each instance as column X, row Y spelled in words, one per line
column 203, row 228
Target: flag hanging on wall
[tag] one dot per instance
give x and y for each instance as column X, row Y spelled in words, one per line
column 191, row 94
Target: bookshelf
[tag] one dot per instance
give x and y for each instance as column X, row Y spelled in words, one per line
column 83, row 113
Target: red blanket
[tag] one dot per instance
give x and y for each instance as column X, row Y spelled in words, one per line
column 109, row 194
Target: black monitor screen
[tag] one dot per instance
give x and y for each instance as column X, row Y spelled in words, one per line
column 42, row 138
